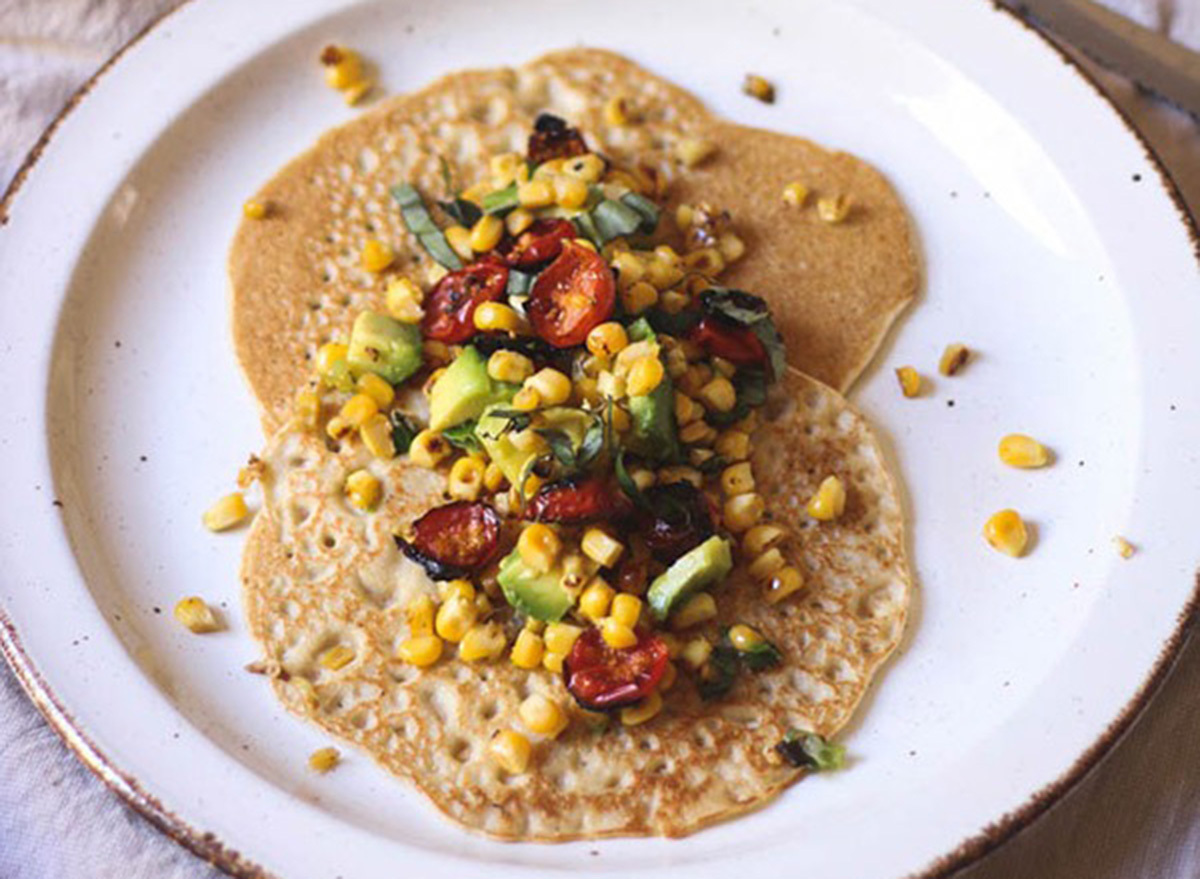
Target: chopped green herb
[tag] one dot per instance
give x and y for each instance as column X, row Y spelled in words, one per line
column 747, row 310
column 718, row 674
column 647, row 209
column 403, row 431
column 465, row 213
column 625, row 481
column 501, row 201
column 808, row 750
column 615, row 219
column 519, row 283
column 462, row 436
column 677, row 325
column 587, row 228
column 514, row 420
column 419, row 221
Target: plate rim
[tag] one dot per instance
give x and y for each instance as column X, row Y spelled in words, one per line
column 971, row 850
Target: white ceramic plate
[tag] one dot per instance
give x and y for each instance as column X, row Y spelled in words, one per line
column 1052, row 245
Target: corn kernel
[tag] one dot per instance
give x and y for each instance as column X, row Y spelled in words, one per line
column 589, row 167
column 428, row 449
column 685, row 215
column 700, row 608
column 358, row 409
column 1019, row 450
column 435, row 353
column 610, row 386
column 786, row 581
column 1125, row 549
column 194, row 613
column 953, row 359
column 594, row 602
column 760, row 538
column 645, row 375
column 642, row 711
column 707, row 261
column 420, row 616
column 336, row 658
column 448, row 589
column 607, row 339
column 621, row 421
column 539, row 546
column 697, row 433
column 795, row 194
column 229, row 511
column 306, row 410
column 732, row 247
column 616, row 111
column 324, row 760
column 543, row 715
column 510, row 751
column 536, row 193
column 363, row 490
column 496, row 316
column 833, row 209
column 617, row 635
column 466, row 479
column 1006, row 532
column 376, row 433
column 737, row 479
column 744, row 638
column 403, row 299
column 696, row 652
column 483, row 604
column 910, row 381
column 337, row 428
column 343, row 67
column 486, row 233
column 329, row 354
column 697, row 376
column 493, row 477
column 742, row 512
column 767, row 565
column 687, row 410
column 718, row 395
column 377, row 255
column 630, row 269
column 459, row 239
column 254, row 210
column 759, row 88
column 553, row 662
column 504, row 168
column 518, row 221
column 638, row 297
column 552, row 386
column 601, row 547
column 560, row 637
column 420, row 650
column 482, row 642
column 733, row 445
column 692, row 151
column 626, row 609
column 527, row 650
column 667, row 475
column 830, row 500
column 455, row 618
column 377, row 388
column 664, row 275
column 527, row 399
column 570, row 192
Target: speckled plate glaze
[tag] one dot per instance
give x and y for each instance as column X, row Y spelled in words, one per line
column 1054, row 246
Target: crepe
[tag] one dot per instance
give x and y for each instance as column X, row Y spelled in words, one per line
column 296, row 278
column 318, row 574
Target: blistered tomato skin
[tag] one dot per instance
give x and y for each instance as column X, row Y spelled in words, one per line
column 572, row 296
column 552, row 138
column 453, row 540
column 679, row 517
column 739, row 345
column 450, row 306
column 602, row 677
column 576, row 501
column 540, row 243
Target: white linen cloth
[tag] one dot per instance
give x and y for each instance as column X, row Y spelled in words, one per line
column 1137, row 815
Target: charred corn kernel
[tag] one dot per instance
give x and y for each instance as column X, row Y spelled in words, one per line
column 699, row 457
column 337, row 428
column 459, row 239
column 594, row 602
column 527, row 399
column 420, row 616
column 742, row 512
column 696, row 377
column 363, row 490
column 677, row 363
column 767, row 565
column 553, row 662
column 589, row 167
column 830, row 500
column 482, row 642
column 378, row 389
column 643, row 478
column 1019, row 450
column 696, row 652
column 306, row 410
column 744, row 638
column 377, row 255
column 667, row 475
column 493, row 477
column 570, row 192
column 542, row 715
column 527, row 650
column 486, row 233
column 358, row 409
column 795, row 194
column 626, row 609
column 700, row 608
column 421, row 650
column 638, row 297
column 833, row 208
column 509, row 366
column 610, row 385
column 465, row 481
column 376, row 433
column 343, row 67
column 336, row 658
column 617, row 635
column 601, row 547
column 621, row 422
column 723, row 367
column 574, row 571
column 428, row 449
column 697, row 433
column 194, row 613
column 403, row 299
column 560, row 637
column 329, row 354
column 733, row 445
column 737, row 479
column 685, row 214
column 225, row 513
column 910, row 381
column 747, row 424
column 510, row 751
column 607, row 340
column 553, row 388
column 642, row 711
column 537, row 193
column 706, row 261
column 760, row 538
column 504, row 168
column 616, row 110
column 1125, row 549
column 254, row 210
column 719, row 395
column 786, row 581
column 324, row 760
column 692, row 151
column 455, row 618
column 664, row 275
column 630, row 269
column 496, row 316
column 518, row 221
column 1006, row 532
column 732, row 247
column 356, row 91
column 953, row 359
column 687, row 410
column 448, row 589
column 759, row 88
column 644, row 376
column 539, row 546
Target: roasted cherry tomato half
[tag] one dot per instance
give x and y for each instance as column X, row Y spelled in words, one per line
column 574, row 294
column 453, row 540
column 602, row 677
column 739, row 345
column 678, row 518
column 450, row 306
column 552, row 138
column 578, row 500
column 540, row 243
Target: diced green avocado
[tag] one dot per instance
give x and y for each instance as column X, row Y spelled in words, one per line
column 653, row 434
column 511, row 460
column 698, row 568
column 541, row 596
column 465, row 390
column 385, row 346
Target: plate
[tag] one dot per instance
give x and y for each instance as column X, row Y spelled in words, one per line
column 1053, row 245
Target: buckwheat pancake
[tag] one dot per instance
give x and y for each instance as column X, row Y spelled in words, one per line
column 318, row 573
column 296, row 278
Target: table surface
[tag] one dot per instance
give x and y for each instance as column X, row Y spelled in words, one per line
column 1137, row 814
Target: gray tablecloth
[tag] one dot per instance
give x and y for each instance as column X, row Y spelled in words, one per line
column 1138, row 814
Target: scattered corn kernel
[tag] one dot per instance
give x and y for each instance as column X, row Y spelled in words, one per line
column 742, row 512
column 224, row 514
column 306, row 410
column 700, row 608
column 421, row 650
column 459, row 239
column 786, row 581
column 795, row 194
column 539, row 546
column 403, row 299
column 542, row 715
column 504, row 168
column 553, row 662
column 194, row 613
column 696, row 652
column 607, row 340
column 687, row 410
column 428, row 449
column 376, row 433
column 733, row 445
column 760, row 538
column 642, row 711
column 254, row 210
column 465, row 481
column 570, row 192
column 1125, row 549
column 830, row 500
column 377, row 255
column 518, row 221
column 744, row 638
column 486, row 233
column 496, row 316
column 638, row 297
column 482, row 642
column 953, row 359
column 759, row 88
column 455, row 618
column 731, row 246
column 324, row 760
column 343, row 67
column 337, row 428
column 833, row 208
column 602, row 548
column 692, row 151
column 560, row 637
column 1019, row 450
column 535, row 194
column 626, row 609
column 595, row 600
column 767, row 565
column 420, row 616
column 363, row 490
column 377, row 388
column 448, row 589
column 527, row 399
column 355, row 92
column 358, row 409
column 737, row 479
column 616, row 111
column 510, row 751
column 336, row 658
column 589, row 167
column 910, row 381
column 1006, row 532
column 552, row 386
column 617, row 635
column 719, row 395
column 527, row 650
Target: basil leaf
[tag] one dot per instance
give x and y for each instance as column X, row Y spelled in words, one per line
column 718, row 674
column 403, row 431
column 761, row 656
column 678, row 325
column 747, row 310
column 465, row 213
column 615, row 219
column 519, row 283
column 625, row 481
column 561, row 446
column 463, row 436
column 418, row 220
column 646, row 209
column 514, row 420
column 808, row 750
column 501, row 201
column 593, row 443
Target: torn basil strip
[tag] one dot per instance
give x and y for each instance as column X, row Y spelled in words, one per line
column 419, row 221
column 808, row 750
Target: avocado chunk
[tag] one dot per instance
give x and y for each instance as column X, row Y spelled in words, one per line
column 490, row 431
column 465, row 390
column 699, row 568
column 541, row 596
column 384, row 346
column 653, row 434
